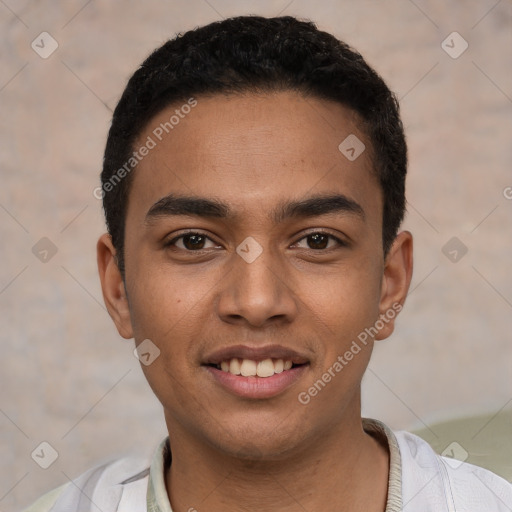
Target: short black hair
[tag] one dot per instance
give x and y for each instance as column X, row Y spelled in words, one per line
column 255, row 54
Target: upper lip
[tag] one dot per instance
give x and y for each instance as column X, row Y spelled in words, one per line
column 255, row 354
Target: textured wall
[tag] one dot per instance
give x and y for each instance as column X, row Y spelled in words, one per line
column 68, row 379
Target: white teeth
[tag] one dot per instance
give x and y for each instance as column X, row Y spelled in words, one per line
column 278, row 366
column 265, row 368
column 234, row 367
column 250, row 368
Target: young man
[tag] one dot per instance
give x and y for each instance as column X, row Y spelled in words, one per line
column 253, row 186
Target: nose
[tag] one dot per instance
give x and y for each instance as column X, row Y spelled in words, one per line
column 257, row 292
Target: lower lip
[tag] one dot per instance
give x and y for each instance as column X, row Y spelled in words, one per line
column 257, row 387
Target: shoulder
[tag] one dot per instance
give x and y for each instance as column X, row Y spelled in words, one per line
column 446, row 483
column 104, row 487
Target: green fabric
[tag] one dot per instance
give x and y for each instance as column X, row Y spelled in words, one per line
column 46, row 502
column 487, row 440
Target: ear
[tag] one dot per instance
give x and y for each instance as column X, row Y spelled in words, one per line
column 112, row 286
column 395, row 282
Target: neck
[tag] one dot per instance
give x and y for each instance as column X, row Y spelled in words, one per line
column 345, row 469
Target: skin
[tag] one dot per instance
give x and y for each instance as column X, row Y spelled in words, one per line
column 252, row 152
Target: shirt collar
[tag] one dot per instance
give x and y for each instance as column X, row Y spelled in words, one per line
column 157, row 499
column 379, row 429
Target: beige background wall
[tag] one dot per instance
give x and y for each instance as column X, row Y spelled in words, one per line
column 67, row 378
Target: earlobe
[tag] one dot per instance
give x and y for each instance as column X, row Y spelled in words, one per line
column 112, row 286
column 395, row 281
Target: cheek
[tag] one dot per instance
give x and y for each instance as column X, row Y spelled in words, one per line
column 167, row 312
column 344, row 346
column 346, row 301
column 172, row 309
column 164, row 303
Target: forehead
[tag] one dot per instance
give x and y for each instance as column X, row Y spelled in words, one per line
column 253, row 151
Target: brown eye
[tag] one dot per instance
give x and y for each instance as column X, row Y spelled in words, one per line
column 191, row 241
column 320, row 241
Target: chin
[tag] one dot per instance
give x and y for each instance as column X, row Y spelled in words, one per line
column 265, row 441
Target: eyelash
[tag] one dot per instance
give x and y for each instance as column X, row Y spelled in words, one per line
column 171, row 243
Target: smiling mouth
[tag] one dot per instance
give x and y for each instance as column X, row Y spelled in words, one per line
column 251, row 368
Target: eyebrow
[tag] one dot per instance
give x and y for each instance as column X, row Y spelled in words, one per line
column 174, row 205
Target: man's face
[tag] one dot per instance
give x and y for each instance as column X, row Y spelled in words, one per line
column 260, row 282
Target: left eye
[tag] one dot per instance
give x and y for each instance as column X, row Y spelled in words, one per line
column 190, row 241
column 320, row 240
